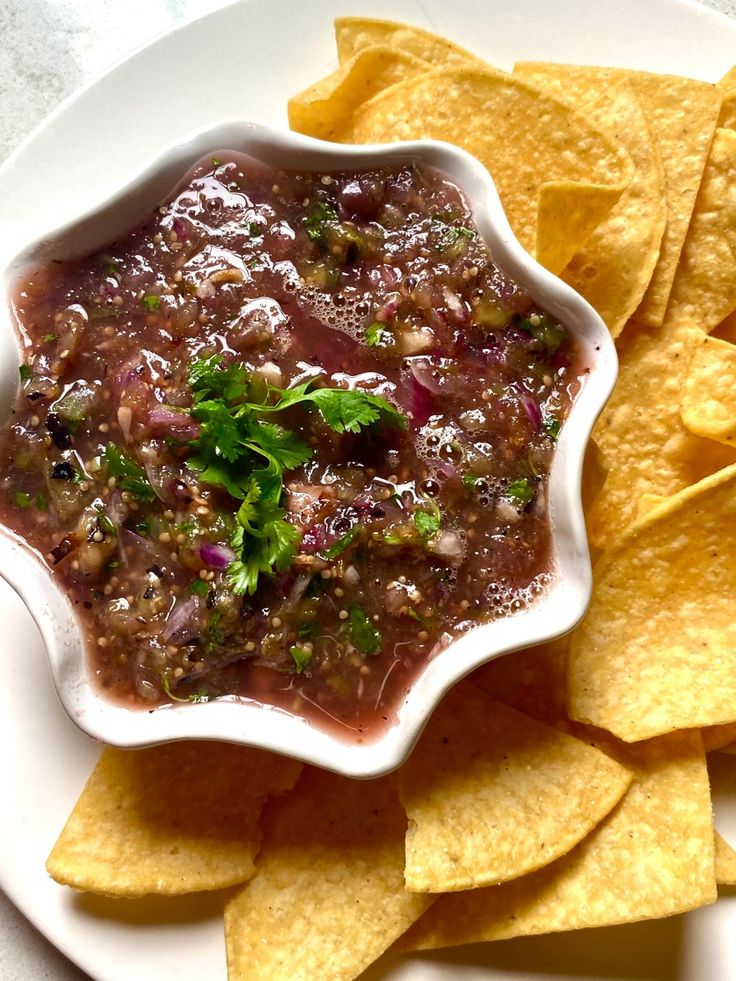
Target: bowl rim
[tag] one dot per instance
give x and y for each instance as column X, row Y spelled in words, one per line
column 229, row 719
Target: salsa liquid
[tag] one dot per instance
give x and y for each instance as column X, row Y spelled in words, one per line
column 404, row 531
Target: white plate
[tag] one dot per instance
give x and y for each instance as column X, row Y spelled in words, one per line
column 246, row 60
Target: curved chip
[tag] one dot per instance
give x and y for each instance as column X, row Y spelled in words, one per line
column 613, row 269
column 657, row 650
column 708, row 398
column 705, row 286
column 725, row 862
column 557, row 176
column 491, row 794
column 169, row 820
column 633, row 866
column 353, row 34
column 682, row 115
column 325, row 110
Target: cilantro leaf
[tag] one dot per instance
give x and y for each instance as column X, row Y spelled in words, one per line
column 198, row 587
column 151, row 302
column 277, row 443
column 209, row 378
column 317, row 219
column 375, row 335
column 544, row 330
column 22, row 499
column 362, row 632
column 470, row 479
column 428, row 519
column 129, row 475
column 551, row 426
column 338, row 547
column 25, row 372
column 521, row 491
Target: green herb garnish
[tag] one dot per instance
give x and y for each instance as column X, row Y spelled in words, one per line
column 49, row 338
column 25, row 372
column 470, row 479
column 306, row 629
column 428, row 519
column 319, row 217
column 548, row 333
column 241, row 449
column 301, row 658
column 362, row 632
column 451, row 233
column 151, row 302
column 22, row 499
column 41, row 502
column 129, row 475
column 375, row 335
column 521, row 491
column 198, row 587
column 104, row 523
column 216, row 162
column 254, row 229
column 551, row 426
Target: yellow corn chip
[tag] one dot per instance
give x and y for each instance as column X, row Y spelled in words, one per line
column 647, row 502
column 646, row 449
column 325, row 110
column 705, row 285
column 718, row 737
column 727, row 117
column 708, row 398
column 328, row 896
column 168, row 820
column 725, row 862
column 729, row 79
column 557, row 176
column 657, row 650
column 491, row 794
column 730, row 749
column 532, row 681
column 682, row 115
column 353, row 34
column 614, row 267
column 633, row 866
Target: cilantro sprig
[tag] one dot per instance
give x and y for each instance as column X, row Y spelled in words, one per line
column 241, row 449
column 129, row 475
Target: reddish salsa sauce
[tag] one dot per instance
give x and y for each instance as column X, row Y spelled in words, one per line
column 287, row 439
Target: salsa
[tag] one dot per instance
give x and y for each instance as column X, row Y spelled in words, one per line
column 286, row 439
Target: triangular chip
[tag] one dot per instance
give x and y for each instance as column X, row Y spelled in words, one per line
column 635, row 865
column 729, row 79
column 657, row 649
column 325, row 110
column 491, row 794
column 705, row 286
column 169, row 820
column 645, row 446
column 614, row 267
column 549, row 164
column 532, row 681
column 727, row 117
column 725, row 862
column 353, row 34
column 708, row 397
column 328, row 896
column 682, row 115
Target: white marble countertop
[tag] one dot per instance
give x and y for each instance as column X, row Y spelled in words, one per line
column 49, row 48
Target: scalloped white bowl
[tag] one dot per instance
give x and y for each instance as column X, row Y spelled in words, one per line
column 242, row 720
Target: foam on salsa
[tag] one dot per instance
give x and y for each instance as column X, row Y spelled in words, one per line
column 286, row 439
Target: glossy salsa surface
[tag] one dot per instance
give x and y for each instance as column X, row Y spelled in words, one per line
column 287, row 439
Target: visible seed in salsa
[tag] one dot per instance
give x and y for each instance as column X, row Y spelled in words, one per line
column 287, row 438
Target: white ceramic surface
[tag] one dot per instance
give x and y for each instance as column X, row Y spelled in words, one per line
column 243, row 720
column 260, row 52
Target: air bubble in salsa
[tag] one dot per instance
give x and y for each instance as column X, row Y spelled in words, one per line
column 287, row 439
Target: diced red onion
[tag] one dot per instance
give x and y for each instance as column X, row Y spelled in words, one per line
column 532, row 410
column 215, row 555
column 178, row 424
column 184, row 621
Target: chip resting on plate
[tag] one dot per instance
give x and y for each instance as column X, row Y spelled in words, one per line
column 532, row 681
column 705, row 285
column 325, row 110
column 556, row 174
column 657, row 650
column 328, row 896
column 682, row 114
column 708, row 397
column 644, row 445
column 613, row 269
column 633, row 866
column 353, row 34
column 491, row 794
column 169, row 820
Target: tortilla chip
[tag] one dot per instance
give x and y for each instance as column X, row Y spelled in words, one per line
column 646, row 448
column 657, row 650
column 532, row 681
column 718, row 737
column 730, row 749
column 325, row 110
column 328, row 896
column 705, row 285
column 491, row 794
column 633, row 866
column 727, row 117
column 729, row 79
column 725, row 862
column 682, row 115
column 708, row 399
column 557, row 176
column 169, row 820
column 647, row 502
column 614, row 267
column 354, row 34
